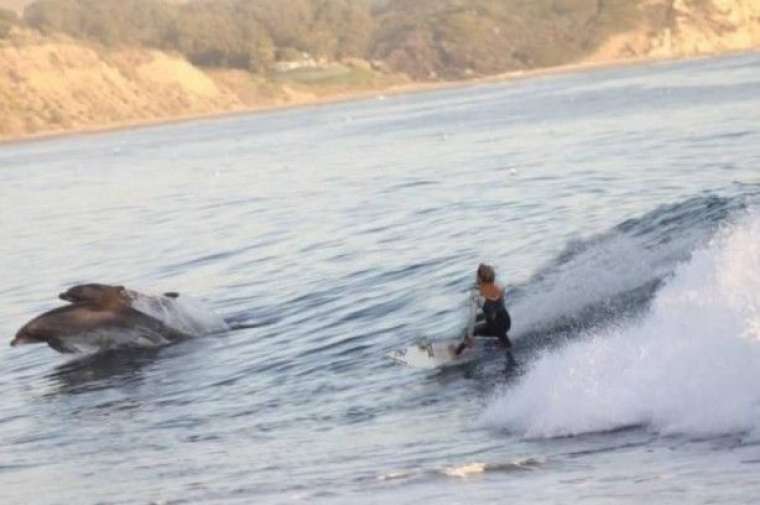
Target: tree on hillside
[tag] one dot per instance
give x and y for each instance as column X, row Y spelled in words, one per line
column 206, row 37
column 349, row 25
column 457, row 38
column 111, row 22
column 323, row 28
column 133, row 22
column 448, row 38
column 287, row 23
column 55, row 15
column 8, row 18
column 221, row 37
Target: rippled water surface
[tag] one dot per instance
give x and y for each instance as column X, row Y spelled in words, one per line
column 621, row 208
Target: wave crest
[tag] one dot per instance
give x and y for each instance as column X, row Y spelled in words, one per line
column 689, row 365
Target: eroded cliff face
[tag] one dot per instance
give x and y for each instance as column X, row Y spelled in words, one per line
column 681, row 28
column 54, row 83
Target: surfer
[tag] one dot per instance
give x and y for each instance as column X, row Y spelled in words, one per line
column 493, row 319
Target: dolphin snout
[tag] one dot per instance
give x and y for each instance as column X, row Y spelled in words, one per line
column 24, row 336
column 18, row 339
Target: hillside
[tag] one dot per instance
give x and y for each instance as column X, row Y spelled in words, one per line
column 77, row 64
column 683, row 28
column 15, row 5
column 54, row 83
column 18, row 5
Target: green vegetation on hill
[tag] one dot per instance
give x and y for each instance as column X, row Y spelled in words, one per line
column 426, row 39
column 454, row 39
column 224, row 33
column 8, row 18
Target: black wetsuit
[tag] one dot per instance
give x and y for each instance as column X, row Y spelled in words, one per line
column 494, row 321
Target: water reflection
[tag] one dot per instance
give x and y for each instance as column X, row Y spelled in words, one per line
column 118, row 368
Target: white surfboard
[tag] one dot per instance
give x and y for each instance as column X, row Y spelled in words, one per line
column 433, row 355
column 440, row 354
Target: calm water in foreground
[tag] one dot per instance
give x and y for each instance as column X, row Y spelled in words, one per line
column 621, row 208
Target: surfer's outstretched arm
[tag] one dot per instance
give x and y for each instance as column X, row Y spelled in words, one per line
column 464, row 345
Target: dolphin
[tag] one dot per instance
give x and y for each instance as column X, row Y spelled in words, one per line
column 100, row 317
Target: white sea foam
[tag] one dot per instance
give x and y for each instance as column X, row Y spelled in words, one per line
column 478, row 468
column 465, row 470
column 618, row 264
column 691, row 365
column 183, row 313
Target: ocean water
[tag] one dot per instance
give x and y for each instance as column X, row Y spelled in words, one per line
column 621, row 208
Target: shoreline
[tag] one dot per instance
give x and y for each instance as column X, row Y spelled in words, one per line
column 394, row 90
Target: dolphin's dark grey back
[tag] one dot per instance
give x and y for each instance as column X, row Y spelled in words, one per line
column 62, row 325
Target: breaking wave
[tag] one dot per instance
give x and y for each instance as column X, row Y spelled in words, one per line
column 688, row 364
